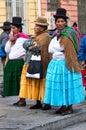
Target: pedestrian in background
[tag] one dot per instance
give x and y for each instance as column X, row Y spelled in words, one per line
column 4, row 37
column 16, row 52
column 82, row 58
column 63, row 85
column 30, row 87
column 76, row 30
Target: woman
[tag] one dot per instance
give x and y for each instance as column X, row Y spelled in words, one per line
column 4, row 36
column 63, row 80
column 34, row 88
column 82, row 51
column 82, row 58
column 14, row 49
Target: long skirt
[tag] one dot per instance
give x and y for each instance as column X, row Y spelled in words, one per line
column 31, row 88
column 12, row 74
column 62, row 87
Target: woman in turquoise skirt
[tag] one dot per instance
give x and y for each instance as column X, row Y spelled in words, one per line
column 63, row 85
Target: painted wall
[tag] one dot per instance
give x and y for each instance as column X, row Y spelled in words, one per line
column 32, row 13
column 33, row 9
column 72, row 9
column 2, row 13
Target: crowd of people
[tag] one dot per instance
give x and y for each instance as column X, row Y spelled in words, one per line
column 61, row 64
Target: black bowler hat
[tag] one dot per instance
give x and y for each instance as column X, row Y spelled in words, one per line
column 6, row 26
column 17, row 21
column 60, row 13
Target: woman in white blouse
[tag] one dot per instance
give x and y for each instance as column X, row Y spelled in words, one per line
column 16, row 52
column 63, row 85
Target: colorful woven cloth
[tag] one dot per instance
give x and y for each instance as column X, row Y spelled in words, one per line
column 69, row 32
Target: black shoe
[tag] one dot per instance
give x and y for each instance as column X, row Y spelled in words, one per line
column 2, row 94
column 37, row 106
column 19, row 104
column 46, row 107
column 61, row 110
column 69, row 110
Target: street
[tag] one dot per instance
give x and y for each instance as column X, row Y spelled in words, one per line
column 78, row 126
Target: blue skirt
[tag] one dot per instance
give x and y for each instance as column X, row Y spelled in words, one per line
column 62, row 87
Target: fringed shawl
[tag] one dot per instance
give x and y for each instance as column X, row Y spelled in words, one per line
column 70, row 54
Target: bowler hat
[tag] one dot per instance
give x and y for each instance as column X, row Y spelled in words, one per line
column 60, row 13
column 6, row 25
column 42, row 21
column 17, row 21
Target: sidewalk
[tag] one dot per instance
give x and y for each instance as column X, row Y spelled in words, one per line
column 22, row 118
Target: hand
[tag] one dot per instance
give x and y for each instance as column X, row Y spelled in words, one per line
column 35, row 43
column 12, row 38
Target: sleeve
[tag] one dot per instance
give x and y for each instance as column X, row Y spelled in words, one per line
column 27, row 44
column 82, row 51
column 4, row 41
column 8, row 47
column 53, row 46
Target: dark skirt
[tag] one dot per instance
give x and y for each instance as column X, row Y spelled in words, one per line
column 12, row 75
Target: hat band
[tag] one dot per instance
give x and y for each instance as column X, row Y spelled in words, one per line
column 42, row 24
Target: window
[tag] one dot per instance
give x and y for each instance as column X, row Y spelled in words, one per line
column 14, row 8
column 53, row 5
column 9, row 10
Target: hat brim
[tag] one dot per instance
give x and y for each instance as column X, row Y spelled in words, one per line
column 41, row 24
column 16, row 23
column 60, row 16
column 4, row 27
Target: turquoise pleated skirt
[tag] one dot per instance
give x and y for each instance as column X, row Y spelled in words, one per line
column 62, row 87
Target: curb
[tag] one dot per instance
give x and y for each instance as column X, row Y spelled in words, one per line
column 63, row 123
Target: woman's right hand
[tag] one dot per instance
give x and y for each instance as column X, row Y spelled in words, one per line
column 12, row 38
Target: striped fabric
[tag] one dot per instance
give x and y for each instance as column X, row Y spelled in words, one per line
column 69, row 32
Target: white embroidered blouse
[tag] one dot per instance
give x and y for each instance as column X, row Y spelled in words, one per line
column 17, row 49
column 56, row 50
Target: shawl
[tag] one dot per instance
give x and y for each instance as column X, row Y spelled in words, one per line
column 70, row 33
column 43, row 40
column 70, row 54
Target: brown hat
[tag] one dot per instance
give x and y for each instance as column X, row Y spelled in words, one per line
column 41, row 21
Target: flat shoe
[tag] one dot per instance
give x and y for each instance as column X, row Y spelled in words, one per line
column 67, row 112
column 36, row 106
column 46, row 107
column 19, row 104
column 61, row 110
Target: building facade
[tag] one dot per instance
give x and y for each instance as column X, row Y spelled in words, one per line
column 30, row 9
